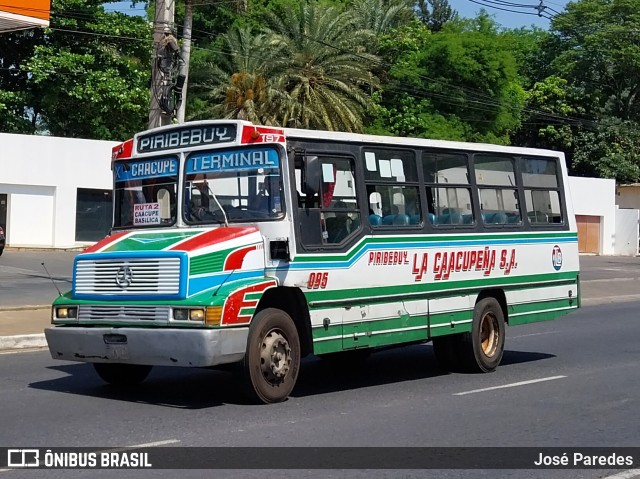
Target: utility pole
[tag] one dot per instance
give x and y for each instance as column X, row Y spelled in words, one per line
column 183, row 77
column 164, row 19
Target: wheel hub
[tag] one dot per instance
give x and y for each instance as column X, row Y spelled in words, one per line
column 275, row 357
column 489, row 334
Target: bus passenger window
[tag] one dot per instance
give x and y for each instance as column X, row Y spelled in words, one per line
column 333, row 215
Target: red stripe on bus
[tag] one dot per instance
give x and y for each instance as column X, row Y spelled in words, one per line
column 105, row 242
column 208, row 238
column 234, row 260
column 236, row 301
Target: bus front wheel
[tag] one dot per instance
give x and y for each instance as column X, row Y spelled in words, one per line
column 481, row 349
column 272, row 359
column 122, row 374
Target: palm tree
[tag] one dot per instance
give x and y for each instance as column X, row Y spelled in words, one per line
column 238, row 83
column 380, row 16
column 327, row 68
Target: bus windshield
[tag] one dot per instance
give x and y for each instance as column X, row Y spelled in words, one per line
column 246, row 183
column 145, row 193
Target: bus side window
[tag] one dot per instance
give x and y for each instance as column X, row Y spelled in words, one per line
column 331, row 215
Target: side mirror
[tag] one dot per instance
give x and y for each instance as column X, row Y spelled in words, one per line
column 312, row 173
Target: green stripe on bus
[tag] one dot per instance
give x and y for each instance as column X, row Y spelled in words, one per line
column 331, row 346
column 209, row 263
column 323, row 257
column 402, row 291
column 320, row 332
column 150, row 241
column 517, row 309
column 539, row 316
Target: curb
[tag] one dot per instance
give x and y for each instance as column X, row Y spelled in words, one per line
column 22, row 341
column 77, row 249
column 25, row 308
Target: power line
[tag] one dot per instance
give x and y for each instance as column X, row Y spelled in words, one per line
column 541, row 12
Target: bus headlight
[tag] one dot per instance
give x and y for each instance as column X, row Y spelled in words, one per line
column 181, row 314
column 67, row 312
column 196, row 314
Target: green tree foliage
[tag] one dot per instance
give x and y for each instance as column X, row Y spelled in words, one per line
column 601, row 53
column 463, row 76
column 533, row 50
column 87, row 76
column 610, row 150
column 435, row 13
column 551, row 117
column 19, row 98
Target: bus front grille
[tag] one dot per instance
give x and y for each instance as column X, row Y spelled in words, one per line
column 123, row 313
column 128, row 277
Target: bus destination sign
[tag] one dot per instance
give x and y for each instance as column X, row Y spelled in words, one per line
column 186, row 136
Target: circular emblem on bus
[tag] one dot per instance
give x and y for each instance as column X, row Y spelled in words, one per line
column 124, row 277
column 556, row 258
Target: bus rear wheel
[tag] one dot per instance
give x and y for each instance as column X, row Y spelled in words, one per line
column 481, row 349
column 272, row 360
column 122, row 374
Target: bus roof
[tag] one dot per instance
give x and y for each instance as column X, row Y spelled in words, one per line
column 294, row 133
column 250, row 133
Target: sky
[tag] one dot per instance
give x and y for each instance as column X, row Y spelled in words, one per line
column 524, row 16
column 466, row 8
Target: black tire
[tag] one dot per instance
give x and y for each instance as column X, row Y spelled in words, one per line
column 481, row 350
column 122, row 374
column 272, row 360
column 447, row 351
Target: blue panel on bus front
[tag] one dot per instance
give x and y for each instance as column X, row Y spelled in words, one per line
column 138, row 170
column 233, row 160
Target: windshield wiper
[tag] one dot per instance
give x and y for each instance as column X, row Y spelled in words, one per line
column 215, row 198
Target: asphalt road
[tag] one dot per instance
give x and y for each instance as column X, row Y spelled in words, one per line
column 587, row 394
column 24, row 281
column 573, row 382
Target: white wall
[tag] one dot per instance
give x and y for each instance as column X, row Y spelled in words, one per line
column 41, row 175
column 596, row 197
column 626, row 243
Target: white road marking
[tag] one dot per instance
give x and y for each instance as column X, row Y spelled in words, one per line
column 607, row 280
column 512, row 385
column 533, row 334
column 157, row 443
column 610, row 299
column 631, row 473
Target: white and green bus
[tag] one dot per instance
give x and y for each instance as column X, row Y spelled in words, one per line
column 257, row 246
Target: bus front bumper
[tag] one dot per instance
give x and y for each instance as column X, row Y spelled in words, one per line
column 154, row 347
